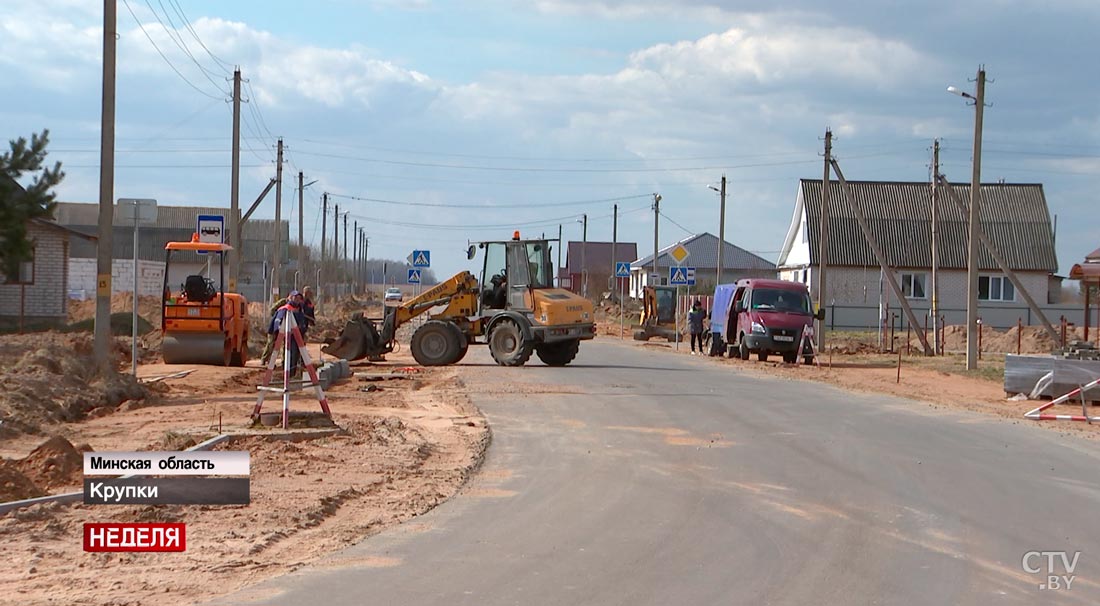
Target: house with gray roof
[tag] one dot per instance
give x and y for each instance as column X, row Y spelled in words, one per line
column 737, row 263
column 1015, row 216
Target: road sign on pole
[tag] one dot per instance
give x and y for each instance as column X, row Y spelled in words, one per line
column 677, row 276
column 414, row 276
column 622, row 269
column 690, row 276
column 421, row 258
column 679, row 253
column 211, row 228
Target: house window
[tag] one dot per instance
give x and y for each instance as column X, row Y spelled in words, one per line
column 912, row 285
column 995, row 288
column 26, row 272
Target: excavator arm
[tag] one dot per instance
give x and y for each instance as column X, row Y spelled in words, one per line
column 361, row 338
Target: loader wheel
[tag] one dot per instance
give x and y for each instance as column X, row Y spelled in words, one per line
column 507, row 345
column 464, row 345
column 558, row 354
column 436, row 343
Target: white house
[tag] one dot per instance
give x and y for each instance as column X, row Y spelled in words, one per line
column 899, row 214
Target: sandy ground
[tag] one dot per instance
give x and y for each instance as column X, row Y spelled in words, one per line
column 408, row 446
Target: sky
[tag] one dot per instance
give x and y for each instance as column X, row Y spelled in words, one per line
column 435, row 123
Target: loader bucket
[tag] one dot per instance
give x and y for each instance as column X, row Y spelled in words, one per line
column 352, row 344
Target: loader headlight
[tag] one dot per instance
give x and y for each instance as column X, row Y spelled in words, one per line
column 758, row 329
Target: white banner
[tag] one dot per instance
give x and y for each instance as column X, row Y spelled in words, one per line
column 192, row 463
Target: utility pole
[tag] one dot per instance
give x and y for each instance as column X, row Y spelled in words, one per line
column 277, row 256
column 104, row 256
column 366, row 259
column 560, row 244
column 934, row 293
column 235, row 187
column 614, row 243
column 584, row 258
column 355, row 257
column 721, row 231
column 823, row 243
column 324, row 225
column 656, row 222
column 301, row 229
column 336, row 251
column 344, row 261
column 973, row 229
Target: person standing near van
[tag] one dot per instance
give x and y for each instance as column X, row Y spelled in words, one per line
column 695, row 324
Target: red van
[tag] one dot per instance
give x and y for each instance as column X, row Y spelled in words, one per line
column 771, row 316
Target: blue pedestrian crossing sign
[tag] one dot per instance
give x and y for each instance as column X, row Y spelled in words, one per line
column 421, row 258
column 414, row 276
column 681, row 276
column 622, row 269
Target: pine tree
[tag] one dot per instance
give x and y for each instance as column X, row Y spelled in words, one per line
column 18, row 205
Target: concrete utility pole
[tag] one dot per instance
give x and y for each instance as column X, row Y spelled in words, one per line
column 235, row 187
column 560, row 244
column 336, row 250
column 301, row 220
column 934, row 292
column 355, row 257
column 324, row 225
column 614, row 243
column 721, row 231
column 344, row 260
column 656, row 222
column 277, row 257
column 104, row 256
column 823, row 243
column 973, row 228
column 584, row 258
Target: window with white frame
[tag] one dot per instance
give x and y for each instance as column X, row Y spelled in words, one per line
column 912, row 285
column 26, row 272
column 995, row 288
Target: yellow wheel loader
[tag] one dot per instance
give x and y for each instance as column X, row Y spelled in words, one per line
column 517, row 312
column 658, row 314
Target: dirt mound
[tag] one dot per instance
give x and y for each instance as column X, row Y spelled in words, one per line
column 14, row 486
column 148, row 308
column 55, row 463
column 49, row 378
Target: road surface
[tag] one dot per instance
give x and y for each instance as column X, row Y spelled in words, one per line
column 640, row 477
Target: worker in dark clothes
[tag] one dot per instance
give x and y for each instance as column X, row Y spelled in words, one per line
column 294, row 305
column 270, row 344
column 308, row 309
column 695, row 323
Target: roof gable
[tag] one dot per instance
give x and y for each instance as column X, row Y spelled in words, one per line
column 597, row 255
column 704, row 255
column 1015, row 217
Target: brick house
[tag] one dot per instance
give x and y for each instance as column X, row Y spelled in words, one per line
column 39, row 294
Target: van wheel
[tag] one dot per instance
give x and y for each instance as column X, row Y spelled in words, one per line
column 742, row 348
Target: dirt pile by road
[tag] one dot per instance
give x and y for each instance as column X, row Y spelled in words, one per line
column 149, row 308
column 50, row 378
column 14, row 485
column 54, row 464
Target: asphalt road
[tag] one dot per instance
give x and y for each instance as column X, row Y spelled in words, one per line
column 639, row 477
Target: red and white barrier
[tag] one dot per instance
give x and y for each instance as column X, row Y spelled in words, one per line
column 1037, row 415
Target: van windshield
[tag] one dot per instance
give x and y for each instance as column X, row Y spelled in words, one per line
column 773, row 299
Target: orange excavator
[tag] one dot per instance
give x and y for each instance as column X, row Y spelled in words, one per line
column 201, row 323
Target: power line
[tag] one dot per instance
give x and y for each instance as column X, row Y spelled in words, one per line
column 177, row 39
column 491, row 206
column 162, row 55
column 556, row 170
column 195, row 35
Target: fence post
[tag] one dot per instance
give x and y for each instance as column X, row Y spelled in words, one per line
column 1019, row 334
column 979, row 337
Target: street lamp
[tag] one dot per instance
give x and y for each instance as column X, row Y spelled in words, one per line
column 974, row 221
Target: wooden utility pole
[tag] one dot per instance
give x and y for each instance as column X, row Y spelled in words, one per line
column 277, row 255
column 560, row 244
column 234, row 259
column 614, row 243
column 336, row 250
column 721, row 231
column 344, row 260
column 934, row 291
column 973, row 228
column 823, row 240
column 104, row 256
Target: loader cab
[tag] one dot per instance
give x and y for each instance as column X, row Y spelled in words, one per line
column 511, row 270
